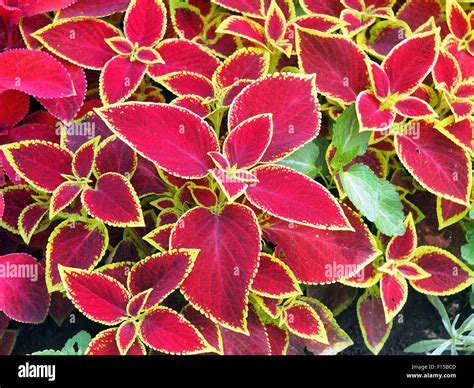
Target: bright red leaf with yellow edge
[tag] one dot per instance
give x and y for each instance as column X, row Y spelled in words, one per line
column 408, row 64
column 321, row 256
column 230, row 244
column 62, row 197
column 402, row 247
column 105, row 344
column 99, row 297
column 302, row 320
column 174, row 138
column 23, row 294
column 183, row 55
column 292, row 101
column 449, row 275
column 291, row 196
column 274, row 279
column 81, row 41
column 438, row 164
column 26, row 156
column 248, row 142
column 394, row 293
column 162, row 273
column 247, row 63
column 321, row 53
column 145, row 22
column 35, row 73
column 75, row 244
column 166, row 331
column 209, row 330
column 113, row 201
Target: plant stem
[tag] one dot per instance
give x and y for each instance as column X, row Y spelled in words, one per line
column 139, row 242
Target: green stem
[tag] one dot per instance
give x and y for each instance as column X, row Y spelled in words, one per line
column 139, row 242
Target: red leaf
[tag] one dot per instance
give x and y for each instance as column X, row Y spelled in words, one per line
column 209, row 330
column 74, row 244
column 274, row 279
column 278, row 339
column 411, row 61
column 83, row 160
column 402, row 247
column 449, row 212
column 96, row 8
column 448, row 274
column 185, row 83
column 321, row 53
column 230, row 244
column 87, row 47
column 120, row 78
column 113, row 155
column 174, row 138
column 414, row 107
column 338, row 340
column 14, row 107
column 275, row 23
column 321, row 256
column 62, row 197
column 370, row 313
column 244, row 28
column 253, row 343
column 458, row 21
column 292, row 101
column 66, row 108
column 105, row 344
column 166, row 331
column 25, row 157
column 36, row 7
column 250, row 7
column 302, row 320
column 182, row 55
column 394, row 293
column 23, row 294
column 245, row 64
column 326, row 7
column 30, row 219
column 294, row 197
column 437, row 163
column 113, row 201
column 99, row 297
column 380, row 81
column 370, row 114
column 417, row 12
column 125, row 337
column 248, row 142
column 446, row 72
column 35, row 73
column 162, row 272
column 145, row 22
column 15, row 198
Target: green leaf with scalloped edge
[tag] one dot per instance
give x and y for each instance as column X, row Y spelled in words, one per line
column 375, row 198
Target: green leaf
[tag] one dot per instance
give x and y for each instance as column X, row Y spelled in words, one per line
column 375, row 198
column 347, row 139
column 467, row 252
column 76, row 346
column 436, row 302
column 424, row 346
column 80, row 342
column 305, row 160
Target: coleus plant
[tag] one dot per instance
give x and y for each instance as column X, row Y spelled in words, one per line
column 166, row 164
